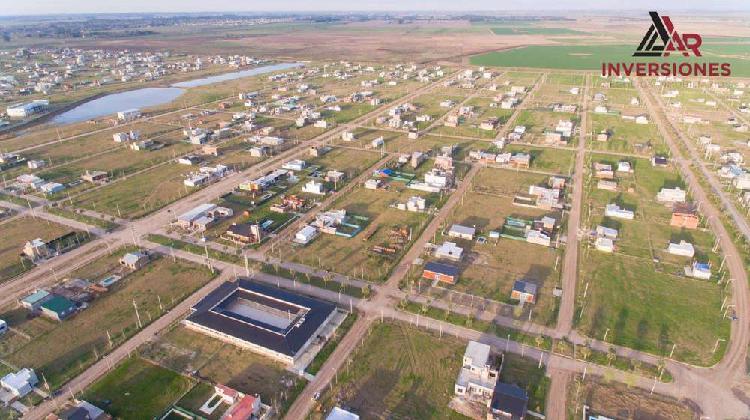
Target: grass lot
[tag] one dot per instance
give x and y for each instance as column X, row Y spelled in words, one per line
column 138, row 389
column 490, row 269
column 15, row 234
column 649, row 310
column 183, row 350
column 140, row 194
column 62, row 350
column 557, row 161
column 398, row 372
column 617, row 400
column 351, row 256
column 586, row 57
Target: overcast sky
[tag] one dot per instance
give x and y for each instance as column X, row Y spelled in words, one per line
column 35, row 7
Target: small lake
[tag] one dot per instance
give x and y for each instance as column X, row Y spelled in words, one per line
column 146, row 97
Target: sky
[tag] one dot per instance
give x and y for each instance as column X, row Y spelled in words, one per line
column 37, row 7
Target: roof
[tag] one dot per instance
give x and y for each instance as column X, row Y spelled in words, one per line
column 441, row 268
column 132, row 257
column 478, row 352
column 510, row 399
column 463, row 230
column 273, row 318
column 58, row 304
column 341, row 414
column 524, row 287
column 35, row 297
column 243, row 409
column 196, row 212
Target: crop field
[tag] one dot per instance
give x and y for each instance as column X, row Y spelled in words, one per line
column 186, row 351
column 352, row 256
column 156, row 288
column 587, row 57
column 138, row 389
column 398, row 371
column 15, row 234
column 139, row 194
column 625, row 289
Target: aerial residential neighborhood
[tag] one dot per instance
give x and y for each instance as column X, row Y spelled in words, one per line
column 374, row 211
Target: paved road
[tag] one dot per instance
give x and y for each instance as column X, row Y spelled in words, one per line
column 570, row 260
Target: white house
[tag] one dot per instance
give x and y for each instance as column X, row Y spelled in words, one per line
column 478, row 376
column 128, row 114
column 450, row 251
column 463, row 232
column 21, row 383
column 671, row 195
column 305, row 235
column 613, row 210
column 684, row 249
column 314, row 187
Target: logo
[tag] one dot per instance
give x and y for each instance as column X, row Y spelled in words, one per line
column 662, row 29
column 679, row 55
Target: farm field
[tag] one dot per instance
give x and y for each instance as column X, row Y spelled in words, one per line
column 587, row 57
column 155, row 288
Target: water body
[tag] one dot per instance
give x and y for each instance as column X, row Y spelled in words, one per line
column 146, row 97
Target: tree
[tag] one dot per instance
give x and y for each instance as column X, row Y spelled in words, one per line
column 585, row 352
column 611, row 355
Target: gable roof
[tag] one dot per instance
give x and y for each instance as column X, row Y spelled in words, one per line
column 441, row 268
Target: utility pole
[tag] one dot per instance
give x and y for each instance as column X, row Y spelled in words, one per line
column 137, row 315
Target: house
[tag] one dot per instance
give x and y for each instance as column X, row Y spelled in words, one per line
column 84, row 410
column 478, row 375
column 128, row 115
column 36, row 249
column 462, row 232
column 134, row 260
column 604, row 244
column 699, row 270
column 245, row 409
column 524, row 291
column 58, row 308
column 661, row 161
column 683, row 249
column 624, row 167
column 509, row 402
column 416, row 204
column 95, row 177
column 443, row 272
column 305, row 235
column 3, row 327
column 449, row 250
column 340, row 414
column 295, row 165
column 671, row 195
column 684, row 216
column 35, row 300
column 189, row 160
column 334, row 176
column 613, row 210
column 372, row 184
column 245, row 233
column 602, row 136
column 19, row 384
column 606, row 185
column 538, row 237
column 314, row 187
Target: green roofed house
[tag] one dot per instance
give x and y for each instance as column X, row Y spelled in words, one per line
column 35, row 300
column 58, row 308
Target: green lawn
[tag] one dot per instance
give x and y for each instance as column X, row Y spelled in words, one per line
column 137, row 389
